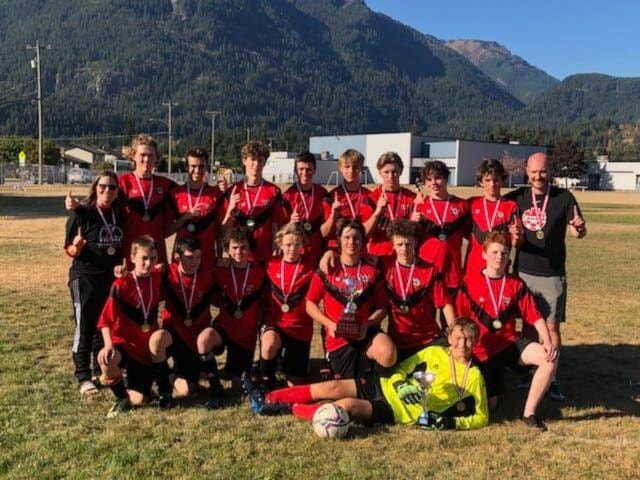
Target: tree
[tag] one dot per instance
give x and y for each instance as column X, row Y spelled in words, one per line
column 50, row 152
column 512, row 165
column 10, row 147
column 568, row 159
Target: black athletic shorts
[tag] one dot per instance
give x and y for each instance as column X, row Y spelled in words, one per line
column 404, row 353
column 186, row 362
column 295, row 354
column 368, row 388
column 139, row 376
column 493, row 369
column 351, row 360
column 239, row 359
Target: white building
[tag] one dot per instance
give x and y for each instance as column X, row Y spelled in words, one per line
column 606, row 175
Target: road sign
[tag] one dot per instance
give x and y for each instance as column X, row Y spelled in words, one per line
column 22, row 158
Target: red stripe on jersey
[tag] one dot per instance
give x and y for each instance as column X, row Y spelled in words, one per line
column 401, row 205
column 474, row 301
column 361, row 208
column 295, row 323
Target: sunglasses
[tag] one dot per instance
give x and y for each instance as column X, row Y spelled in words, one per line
column 107, row 186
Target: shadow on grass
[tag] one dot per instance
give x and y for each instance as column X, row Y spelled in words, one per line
column 602, row 377
column 22, row 206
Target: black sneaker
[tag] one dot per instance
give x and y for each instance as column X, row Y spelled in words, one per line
column 119, row 407
column 165, row 402
column 254, row 393
column 275, row 409
column 533, row 421
column 554, row 393
column 213, row 404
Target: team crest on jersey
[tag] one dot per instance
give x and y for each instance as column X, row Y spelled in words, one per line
column 159, row 190
column 531, row 222
column 455, row 211
column 481, row 299
column 507, row 301
column 500, row 214
column 134, row 191
column 265, row 202
column 477, row 211
column 416, row 282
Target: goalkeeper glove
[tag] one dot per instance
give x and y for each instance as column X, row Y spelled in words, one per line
column 435, row 421
column 410, row 394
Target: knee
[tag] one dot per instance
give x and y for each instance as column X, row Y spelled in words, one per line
column 385, row 353
column 160, row 340
column 349, row 405
column 208, row 340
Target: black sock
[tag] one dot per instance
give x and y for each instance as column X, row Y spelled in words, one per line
column 119, row 390
column 161, row 373
column 209, row 365
column 267, row 370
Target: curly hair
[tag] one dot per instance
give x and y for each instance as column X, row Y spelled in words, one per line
column 434, row 168
column 255, row 149
column 490, row 166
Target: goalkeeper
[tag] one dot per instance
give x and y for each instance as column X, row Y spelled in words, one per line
column 457, row 398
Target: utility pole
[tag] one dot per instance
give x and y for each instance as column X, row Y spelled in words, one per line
column 39, row 102
column 170, row 125
column 213, row 114
column 248, row 135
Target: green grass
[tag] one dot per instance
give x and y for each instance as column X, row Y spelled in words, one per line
column 47, row 431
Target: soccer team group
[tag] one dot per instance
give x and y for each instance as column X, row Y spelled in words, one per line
column 273, row 264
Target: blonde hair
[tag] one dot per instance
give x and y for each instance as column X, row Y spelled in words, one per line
column 351, row 157
column 291, row 229
column 390, row 158
column 465, row 325
column 141, row 140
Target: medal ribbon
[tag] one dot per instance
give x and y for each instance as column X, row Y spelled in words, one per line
column 404, row 288
column 235, row 283
column 293, row 280
column 145, row 308
column 439, row 221
column 246, row 194
column 188, row 304
column 459, row 387
column 393, row 214
column 307, row 210
column 486, row 214
column 496, row 304
column 145, row 200
column 189, row 195
column 104, row 220
column 346, row 194
column 534, row 205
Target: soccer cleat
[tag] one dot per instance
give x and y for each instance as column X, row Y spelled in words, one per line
column 165, row 402
column 554, row 393
column 533, row 421
column 213, row 404
column 254, row 393
column 275, row 409
column 119, row 407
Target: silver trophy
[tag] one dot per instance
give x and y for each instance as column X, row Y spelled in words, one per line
column 425, row 379
column 348, row 325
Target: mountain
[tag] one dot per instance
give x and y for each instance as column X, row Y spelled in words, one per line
column 520, row 79
column 586, row 97
column 278, row 66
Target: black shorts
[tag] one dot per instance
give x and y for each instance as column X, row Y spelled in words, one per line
column 351, row 360
column 404, row 353
column 295, row 354
column 368, row 388
column 239, row 359
column 186, row 362
column 493, row 369
column 139, row 376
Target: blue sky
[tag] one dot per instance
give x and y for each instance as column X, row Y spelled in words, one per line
column 561, row 37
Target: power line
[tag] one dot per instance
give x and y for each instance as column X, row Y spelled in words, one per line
column 94, row 137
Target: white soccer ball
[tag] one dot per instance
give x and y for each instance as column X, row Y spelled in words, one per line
column 331, row 421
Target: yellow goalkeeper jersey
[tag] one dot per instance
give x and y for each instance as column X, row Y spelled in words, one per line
column 470, row 410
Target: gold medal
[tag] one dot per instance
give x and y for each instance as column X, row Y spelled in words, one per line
column 250, row 223
column 285, row 307
column 238, row 314
column 404, row 308
column 496, row 324
column 111, row 251
column 442, row 237
column 306, row 226
column 460, row 406
column 539, row 234
column 191, row 228
column 188, row 322
column 146, row 218
column 145, row 327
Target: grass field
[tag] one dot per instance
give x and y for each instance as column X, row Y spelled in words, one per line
column 48, row 431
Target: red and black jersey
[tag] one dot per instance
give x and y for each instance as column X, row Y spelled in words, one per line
column 442, row 245
column 417, row 326
column 330, row 289
column 175, row 308
column 257, row 211
column 474, row 301
column 123, row 314
column 205, row 227
column 358, row 206
column 506, row 213
column 401, row 205
column 247, row 302
column 157, row 212
column 295, row 323
column 292, row 201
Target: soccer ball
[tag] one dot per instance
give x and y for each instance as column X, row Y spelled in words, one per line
column 331, row 421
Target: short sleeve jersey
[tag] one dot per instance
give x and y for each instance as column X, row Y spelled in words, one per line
column 474, row 301
column 156, row 189
column 353, row 205
column 284, row 290
column 545, row 257
column 258, row 211
column 486, row 216
column 423, row 293
column 239, row 307
column 309, row 206
column 443, row 231
column 331, row 290
column 124, row 315
column 186, row 299
column 104, row 238
column 204, row 227
column 400, row 206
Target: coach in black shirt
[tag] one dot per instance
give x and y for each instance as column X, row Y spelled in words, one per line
column 547, row 213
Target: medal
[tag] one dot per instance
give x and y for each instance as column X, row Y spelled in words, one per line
column 540, row 235
column 306, row 226
column 146, row 309
column 238, row 314
column 351, row 209
column 187, row 321
column 239, row 295
column 460, row 387
column 285, row 307
column 145, row 327
column 440, row 221
column 460, row 406
column 187, row 303
column 404, row 287
column 191, row 227
column 111, row 251
column 250, row 222
column 404, row 308
column 442, row 237
column 491, row 222
column 307, row 210
column 393, row 214
column 539, row 213
column 145, row 200
column 496, row 324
